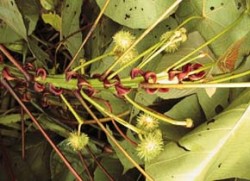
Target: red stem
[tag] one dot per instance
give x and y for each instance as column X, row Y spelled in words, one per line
column 100, row 165
column 64, row 159
column 23, row 133
column 17, row 65
column 85, row 165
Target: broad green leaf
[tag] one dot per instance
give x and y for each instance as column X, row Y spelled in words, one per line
column 11, row 118
column 215, row 150
column 152, row 38
column 70, row 24
column 53, row 19
column 41, row 56
column 187, row 108
column 101, row 37
column 49, row 4
column 129, row 148
column 8, row 35
column 214, row 20
column 112, row 166
column 234, row 93
column 155, row 35
column 215, row 104
column 58, row 169
column 10, row 14
column 53, row 126
column 36, row 163
column 38, row 156
column 135, row 14
column 17, row 46
column 30, row 13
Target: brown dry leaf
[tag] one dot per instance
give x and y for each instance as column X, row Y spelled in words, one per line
column 228, row 60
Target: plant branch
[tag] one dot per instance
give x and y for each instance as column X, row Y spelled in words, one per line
column 167, row 12
column 109, row 135
column 196, row 85
column 99, row 164
column 64, row 159
column 85, row 165
column 187, row 123
column 88, row 35
column 205, row 44
column 15, row 62
column 78, row 118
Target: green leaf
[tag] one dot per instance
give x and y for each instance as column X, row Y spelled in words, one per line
column 70, row 24
column 10, row 14
column 187, row 108
column 112, row 166
column 30, row 12
column 8, row 35
column 36, row 163
column 213, row 151
column 56, row 127
column 135, row 14
column 58, row 169
column 153, row 37
column 214, row 20
column 48, row 4
column 53, row 19
column 11, row 118
column 129, row 148
column 101, row 37
column 215, row 104
column 41, row 56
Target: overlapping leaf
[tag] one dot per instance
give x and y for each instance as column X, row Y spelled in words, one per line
column 135, row 14
column 70, row 24
column 215, row 150
column 215, row 17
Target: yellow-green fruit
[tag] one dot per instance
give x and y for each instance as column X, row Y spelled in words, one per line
column 78, row 141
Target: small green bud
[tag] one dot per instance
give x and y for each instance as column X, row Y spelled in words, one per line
column 78, row 142
column 123, row 40
column 151, row 145
column 147, row 122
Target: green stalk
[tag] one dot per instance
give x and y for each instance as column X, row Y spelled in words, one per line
column 93, row 60
column 232, row 76
column 111, row 137
column 155, row 53
column 205, row 44
column 187, row 123
column 89, row 34
column 133, row 60
column 197, row 85
column 119, row 120
column 189, row 60
column 78, row 118
column 167, row 12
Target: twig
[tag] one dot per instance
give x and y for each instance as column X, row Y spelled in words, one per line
column 85, row 165
column 64, row 159
column 15, row 62
column 88, row 35
column 79, row 96
column 23, row 133
column 100, row 165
